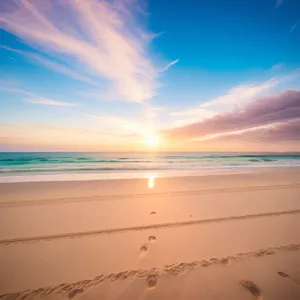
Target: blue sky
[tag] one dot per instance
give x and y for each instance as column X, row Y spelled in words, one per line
column 112, row 75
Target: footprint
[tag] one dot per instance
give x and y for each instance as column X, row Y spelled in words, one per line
column 153, row 213
column 152, row 238
column 152, row 281
column 225, row 261
column 251, row 287
column 73, row 293
column 144, row 248
column 283, row 274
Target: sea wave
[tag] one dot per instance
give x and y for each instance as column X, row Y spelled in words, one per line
column 24, row 163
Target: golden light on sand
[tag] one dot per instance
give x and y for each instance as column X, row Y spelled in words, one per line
column 151, row 182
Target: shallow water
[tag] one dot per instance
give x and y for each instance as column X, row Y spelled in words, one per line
column 107, row 165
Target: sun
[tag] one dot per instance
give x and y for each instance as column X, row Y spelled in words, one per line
column 152, row 140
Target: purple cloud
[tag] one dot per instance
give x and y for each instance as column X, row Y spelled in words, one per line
column 268, row 110
column 286, row 131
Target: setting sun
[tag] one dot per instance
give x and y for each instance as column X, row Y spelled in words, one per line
column 152, row 140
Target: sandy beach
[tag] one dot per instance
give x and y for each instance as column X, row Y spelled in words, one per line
column 149, row 150
column 227, row 236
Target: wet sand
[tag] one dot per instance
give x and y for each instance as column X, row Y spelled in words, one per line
column 213, row 237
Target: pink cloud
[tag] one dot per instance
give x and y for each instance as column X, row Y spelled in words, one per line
column 100, row 37
column 287, row 131
column 268, row 110
column 236, row 97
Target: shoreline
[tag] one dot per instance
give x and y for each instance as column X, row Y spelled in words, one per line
column 124, row 175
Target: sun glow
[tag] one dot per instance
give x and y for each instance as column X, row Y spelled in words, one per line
column 152, row 140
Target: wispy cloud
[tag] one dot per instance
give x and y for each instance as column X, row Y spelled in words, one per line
column 122, row 126
column 239, row 95
column 190, row 116
column 284, row 131
column 34, row 98
column 51, row 64
column 279, row 3
column 101, row 37
column 236, row 97
column 172, row 63
column 277, row 67
column 51, row 102
column 67, row 129
column 272, row 137
column 115, row 123
column 295, row 26
column 234, row 132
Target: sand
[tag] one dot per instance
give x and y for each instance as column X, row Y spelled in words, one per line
column 208, row 237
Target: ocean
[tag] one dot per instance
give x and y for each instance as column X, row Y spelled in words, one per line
column 44, row 166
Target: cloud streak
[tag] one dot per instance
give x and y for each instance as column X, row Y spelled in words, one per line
column 236, row 97
column 169, row 65
column 239, row 95
column 101, row 37
column 52, row 65
column 295, row 26
column 235, row 132
column 272, row 137
column 33, row 98
column 266, row 111
column 50, row 102
column 281, row 132
column 279, row 3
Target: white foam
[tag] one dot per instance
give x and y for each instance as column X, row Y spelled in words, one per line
column 128, row 175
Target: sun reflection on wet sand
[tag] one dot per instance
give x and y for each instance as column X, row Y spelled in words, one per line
column 151, row 182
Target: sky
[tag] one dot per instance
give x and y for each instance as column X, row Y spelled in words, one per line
column 129, row 75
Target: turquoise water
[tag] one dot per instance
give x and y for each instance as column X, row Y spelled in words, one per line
column 109, row 164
